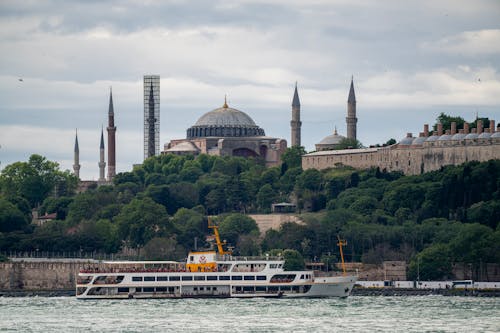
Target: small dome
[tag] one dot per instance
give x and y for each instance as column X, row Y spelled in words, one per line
column 333, row 139
column 419, row 141
column 444, row 137
column 432, row 138
column 458, row 136
column 186, row 146
column 471, row 136
column 406, row 141
column 484, row 135
column 495, row 135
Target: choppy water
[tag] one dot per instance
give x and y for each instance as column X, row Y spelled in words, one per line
column 354, row 314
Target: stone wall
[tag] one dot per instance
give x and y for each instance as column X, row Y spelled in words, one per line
column 411, row 160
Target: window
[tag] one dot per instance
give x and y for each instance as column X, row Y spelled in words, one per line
column 123, row 290
column 162, row 278
column 161, row 289
column 236, row 277
column 148, row 290
column 261, row 277
column 149, row 278
column 187, row 278
column 136, row 278
column 249, row 277
column 212, row 277
column 273, row 265
column 223, row 277
column 175, row 278
column 199, row 278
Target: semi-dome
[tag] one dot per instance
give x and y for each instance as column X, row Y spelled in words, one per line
column 432, row 138
column 445, row 137
column 419, row 141
column 224, row 122
column 458, row 136
column 406, row 141
column 471, row 136
column 495, row 135
column 484, row 135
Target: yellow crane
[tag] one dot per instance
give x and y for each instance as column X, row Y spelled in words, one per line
column 341, row 243
column 220, row 244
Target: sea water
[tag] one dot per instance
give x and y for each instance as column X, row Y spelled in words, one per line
column 354, row 314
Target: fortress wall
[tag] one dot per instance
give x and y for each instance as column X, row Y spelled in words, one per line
column 410, row 160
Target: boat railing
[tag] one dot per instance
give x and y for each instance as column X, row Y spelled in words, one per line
column 247, row 258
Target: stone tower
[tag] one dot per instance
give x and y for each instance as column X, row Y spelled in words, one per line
column 111, row 139
column 295, row 123
column 351, row 119
column 76, row 160
column 102, row 164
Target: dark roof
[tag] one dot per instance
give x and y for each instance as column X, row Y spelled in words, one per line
column 352, row 96
column 76, row 143
column 102, row 140
column 111, row 110
column 296, row 101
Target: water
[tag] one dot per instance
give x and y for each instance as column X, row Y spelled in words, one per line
column 354, row 314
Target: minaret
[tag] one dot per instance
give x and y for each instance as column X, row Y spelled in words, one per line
column 351, row 113
column 151, row 122
column 76, row 163
column 102, row 164
column 295, row 123
column 111, row 139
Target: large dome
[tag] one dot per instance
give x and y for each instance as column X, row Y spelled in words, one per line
column 224, row 122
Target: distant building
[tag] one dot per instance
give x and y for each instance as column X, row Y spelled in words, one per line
column 76, row 158
column 295, row 123
column 226, row 131
column 111, row 139
column 151, row 115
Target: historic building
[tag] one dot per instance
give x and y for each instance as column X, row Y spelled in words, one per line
column 226, row 131
column 151, row 115
column 76, row 158
column 417, row 155
column 111, row 139
column 295, row 123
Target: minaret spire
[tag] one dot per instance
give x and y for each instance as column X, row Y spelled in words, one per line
column 102, row 163
column 111, row 138
column 351, row 119
column 295, row 124
column 76, row 160
column 151, row 122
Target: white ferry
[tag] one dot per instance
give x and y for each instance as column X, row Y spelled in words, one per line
column 208, row 274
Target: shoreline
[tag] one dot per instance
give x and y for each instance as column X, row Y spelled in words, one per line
column 355, row 292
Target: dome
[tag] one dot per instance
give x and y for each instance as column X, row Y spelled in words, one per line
column 458, row 136
column 333, row 139
column 484, row 135
column 471, row 136
column 495, row 135
column 419, row 141
column 406, row 141
column 432, row 138
column 444, row 137
column 185, row 146
column 224, row 122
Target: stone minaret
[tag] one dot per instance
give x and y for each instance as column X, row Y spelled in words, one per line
column 102, row 164
column 295, row 123
column 151, row 122
column 351, row 119
column 76, row 163
column 111, row 139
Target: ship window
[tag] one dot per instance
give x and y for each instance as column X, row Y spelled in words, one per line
column 260, row 288
column 302, row 277
column 248, row 289
column 273, row 265
column 261, row 277
column 138, row 290
column 161, row 289
column 171, row 289
column 236, row 277
column 191, row 258
column 212, row 277
column 162, row 278
column 187, row 278
column 136, row 278
column 249, row 277
column 214, row 288
column 223, row 277
column 175, row 278
column 149, row 278
column 123, row 290
column 199, row 278
column 202, row 288
column 195, row 288
column 285, row 288
column 148, row 290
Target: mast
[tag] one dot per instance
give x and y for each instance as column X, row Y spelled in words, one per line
column 341, row 243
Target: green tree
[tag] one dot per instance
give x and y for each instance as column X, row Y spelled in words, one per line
column 293, row 260
column 235, row 225
column 292, row 157
column 433, row 263
column 446, row 120
column 11, row 218
column 162, row 248
column 346, row 143
column 265, row 197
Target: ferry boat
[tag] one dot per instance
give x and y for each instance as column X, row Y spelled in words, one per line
column 209, row 274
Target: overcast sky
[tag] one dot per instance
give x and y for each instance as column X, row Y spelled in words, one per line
column 410, row 60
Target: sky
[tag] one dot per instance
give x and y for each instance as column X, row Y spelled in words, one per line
column 411, row 60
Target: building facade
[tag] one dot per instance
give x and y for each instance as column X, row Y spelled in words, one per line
column 417, row 155
column 151, row 115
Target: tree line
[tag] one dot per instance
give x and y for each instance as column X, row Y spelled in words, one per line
column 432, row 220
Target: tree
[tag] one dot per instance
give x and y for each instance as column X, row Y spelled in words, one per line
column 265, row 197
column 293, row 260
column 346, row 143
column 433, row 263
column 446, row 121
column 162, row 248
column 235, row 225
column 11, row 218
column 292, row 157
